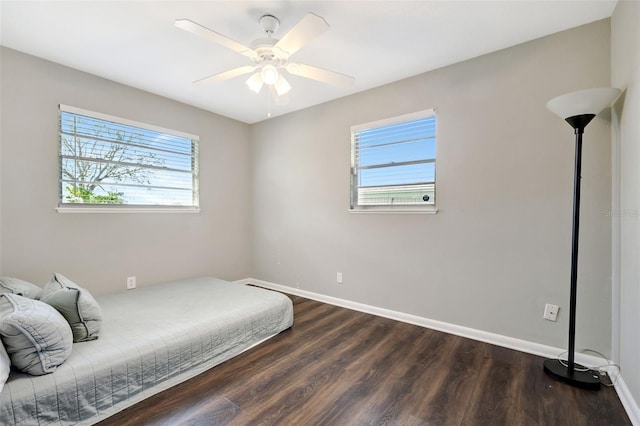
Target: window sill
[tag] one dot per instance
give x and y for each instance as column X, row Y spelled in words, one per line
column 393, row 210
column 128, row 209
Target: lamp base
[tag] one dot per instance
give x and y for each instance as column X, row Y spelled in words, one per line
column 589, row 379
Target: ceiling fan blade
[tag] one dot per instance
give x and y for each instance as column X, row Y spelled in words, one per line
column 310, row 26
column 197, row 29
column 227, row 74
column 320, row 74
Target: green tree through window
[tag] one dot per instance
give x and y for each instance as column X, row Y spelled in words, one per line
column 107, row 161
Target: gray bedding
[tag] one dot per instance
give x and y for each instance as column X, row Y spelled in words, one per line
column 151, row 339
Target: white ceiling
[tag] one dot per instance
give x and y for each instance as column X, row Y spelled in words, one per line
column 377, row 42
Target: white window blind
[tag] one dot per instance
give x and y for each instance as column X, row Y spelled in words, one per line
column 112, row 162
column 393, row 162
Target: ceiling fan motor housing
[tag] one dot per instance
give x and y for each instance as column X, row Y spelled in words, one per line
column 264, row 47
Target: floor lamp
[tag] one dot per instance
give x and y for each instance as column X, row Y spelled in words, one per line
column 578, row 109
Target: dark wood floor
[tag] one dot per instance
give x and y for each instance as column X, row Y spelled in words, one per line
column 341, row 367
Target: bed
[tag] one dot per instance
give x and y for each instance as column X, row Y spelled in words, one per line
column 151, row 339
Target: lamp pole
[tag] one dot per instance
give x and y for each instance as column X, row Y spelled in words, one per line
column 578, row 109
column 586, row 379
column 578, row 122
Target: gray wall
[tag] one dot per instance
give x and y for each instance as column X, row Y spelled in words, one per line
column 99, row 251
column 625, row 74
column 499, row 248
column 275, row 195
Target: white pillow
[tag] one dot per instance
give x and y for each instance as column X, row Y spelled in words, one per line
column 37, row 338
column 76, row 305
column 5, row 366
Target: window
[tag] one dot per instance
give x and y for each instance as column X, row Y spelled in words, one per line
column 115, row 163
column 393, row 164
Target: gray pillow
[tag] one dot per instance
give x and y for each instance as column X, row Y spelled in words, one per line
column 19, row 287
column 5, row 366
column 37, row 338
column 76, row 305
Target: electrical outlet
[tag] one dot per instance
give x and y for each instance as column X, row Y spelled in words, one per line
column 339, row 277
column 550, row 312
column 131, row 283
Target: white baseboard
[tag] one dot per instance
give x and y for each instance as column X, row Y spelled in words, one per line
column 629, row 404
column 471, row 333
column 546, row 351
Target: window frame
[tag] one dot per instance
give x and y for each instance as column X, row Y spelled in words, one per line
column 354, row 207
column 69, row 207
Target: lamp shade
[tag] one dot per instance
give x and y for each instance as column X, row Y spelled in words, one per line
column 282, row 86
column 590, row 101
column 255, row 82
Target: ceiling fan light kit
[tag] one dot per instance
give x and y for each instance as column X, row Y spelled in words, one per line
column 282, row 86
column 255, row 82
column 269, row 74
column 270, row 56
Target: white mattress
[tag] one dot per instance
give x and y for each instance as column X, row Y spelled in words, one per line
column 151, row 339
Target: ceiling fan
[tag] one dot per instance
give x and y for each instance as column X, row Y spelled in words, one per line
column 270, row 56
